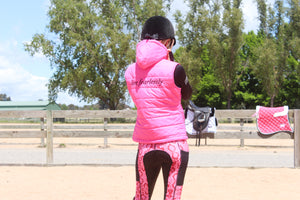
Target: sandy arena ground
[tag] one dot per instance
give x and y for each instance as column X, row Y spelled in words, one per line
column 118, row 183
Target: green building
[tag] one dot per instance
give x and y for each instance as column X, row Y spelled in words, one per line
column 28, row 105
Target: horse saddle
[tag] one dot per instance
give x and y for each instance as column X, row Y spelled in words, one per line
column 199, row 119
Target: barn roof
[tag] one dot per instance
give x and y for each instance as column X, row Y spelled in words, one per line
column 28, row 105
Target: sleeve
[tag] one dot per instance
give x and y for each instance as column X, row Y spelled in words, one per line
column 181, row 81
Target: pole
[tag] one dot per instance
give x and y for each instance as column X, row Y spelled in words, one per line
column 49, row 137
column 297, row 138
column 42, row 125
column 105, row 129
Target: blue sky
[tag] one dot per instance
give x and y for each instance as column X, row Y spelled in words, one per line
column 23, row 77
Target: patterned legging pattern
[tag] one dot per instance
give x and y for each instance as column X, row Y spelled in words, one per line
column 172, row 158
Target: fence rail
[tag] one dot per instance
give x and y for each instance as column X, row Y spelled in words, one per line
column 106, row 130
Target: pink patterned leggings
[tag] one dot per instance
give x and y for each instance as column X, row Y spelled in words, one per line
column 172, row 158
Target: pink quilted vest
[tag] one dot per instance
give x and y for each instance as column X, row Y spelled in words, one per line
column 150, row 82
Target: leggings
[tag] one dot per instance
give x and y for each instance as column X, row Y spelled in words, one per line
column 172, row 158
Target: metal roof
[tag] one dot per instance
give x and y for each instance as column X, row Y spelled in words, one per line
column 28, row 105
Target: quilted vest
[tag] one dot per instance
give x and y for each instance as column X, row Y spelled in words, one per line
column 150, row 82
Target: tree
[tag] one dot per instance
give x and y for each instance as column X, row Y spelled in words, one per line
column 246, row 69
column 293, row 34
column 211, row 46
column 248, row 92
column 262, row 10
column 209, row 92
column 290, row 92
column 4, row 97
column 92, row 43
column 192, row 31
column 267, row 70
column 136, row 12
column 225, row 47
column 274, row 57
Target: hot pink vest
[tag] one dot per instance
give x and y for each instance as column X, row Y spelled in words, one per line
column 160, row 116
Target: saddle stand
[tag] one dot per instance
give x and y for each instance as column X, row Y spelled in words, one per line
column 199, row 120
column 198, row 138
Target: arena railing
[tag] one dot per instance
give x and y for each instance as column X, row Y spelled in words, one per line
column 233, row 124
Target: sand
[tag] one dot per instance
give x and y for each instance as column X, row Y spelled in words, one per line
column 118, row 183
column 107, row 183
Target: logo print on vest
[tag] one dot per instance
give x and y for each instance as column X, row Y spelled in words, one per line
column 148, row 82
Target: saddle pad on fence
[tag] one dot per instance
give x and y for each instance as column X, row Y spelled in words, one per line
column 272, row 120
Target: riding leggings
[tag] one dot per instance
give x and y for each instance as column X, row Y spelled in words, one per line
column 172, row 158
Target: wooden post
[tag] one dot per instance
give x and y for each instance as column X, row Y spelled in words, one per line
column 242, row 142
column 42, row 125
column 297, row 138
column 105, row 129
column 49, row 137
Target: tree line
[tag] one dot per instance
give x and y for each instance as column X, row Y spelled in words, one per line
column 4, row 97
column 233, row 69
column 90, row 44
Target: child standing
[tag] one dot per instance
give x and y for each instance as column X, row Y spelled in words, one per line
column 157, row 84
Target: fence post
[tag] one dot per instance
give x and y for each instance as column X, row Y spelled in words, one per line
column 49, row 137
column 105, row 129
column 297, row 138
column 242, row 142
column 42, row 125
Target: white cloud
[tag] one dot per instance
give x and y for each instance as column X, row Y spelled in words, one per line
column 19, row 84
column 24, row 77
column 250, row 15
column 250, row 12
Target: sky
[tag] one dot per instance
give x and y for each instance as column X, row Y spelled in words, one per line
column 24, row 77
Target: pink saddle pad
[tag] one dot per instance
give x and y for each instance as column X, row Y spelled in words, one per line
column 273, row 120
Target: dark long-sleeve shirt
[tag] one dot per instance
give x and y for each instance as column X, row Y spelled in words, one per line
column 181, row 81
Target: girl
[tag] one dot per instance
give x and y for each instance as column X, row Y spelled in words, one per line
column 156, row 84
